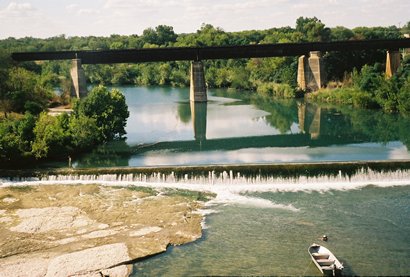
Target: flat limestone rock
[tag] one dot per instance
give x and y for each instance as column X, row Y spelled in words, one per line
column 41, row 220
column 145, row 231
column 10, row 200
column 91, row 261
column 33, row 267
column 89, row 230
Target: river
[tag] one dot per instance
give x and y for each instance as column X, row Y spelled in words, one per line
column 266, row 231
column 164, row 128
column 368, row 230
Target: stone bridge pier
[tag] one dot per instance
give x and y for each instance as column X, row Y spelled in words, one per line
column 198, row 85
column 392, row 62
column 311, row 74
column 78, row 81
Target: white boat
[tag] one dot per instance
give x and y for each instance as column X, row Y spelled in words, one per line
column 325, row 261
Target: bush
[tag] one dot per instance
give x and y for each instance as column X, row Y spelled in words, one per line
column 276, row 90
column 345, row 96
column 369, row 78
column 403, row 98
column 51, row 137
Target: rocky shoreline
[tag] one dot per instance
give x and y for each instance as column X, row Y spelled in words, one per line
column 91, row 230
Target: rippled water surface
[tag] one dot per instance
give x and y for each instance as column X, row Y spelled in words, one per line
column 368, row 230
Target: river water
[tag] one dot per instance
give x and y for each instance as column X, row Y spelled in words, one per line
column 368, row 230
column 164, row 128
column 260, row 231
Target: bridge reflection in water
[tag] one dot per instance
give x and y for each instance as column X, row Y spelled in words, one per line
column 310, row 135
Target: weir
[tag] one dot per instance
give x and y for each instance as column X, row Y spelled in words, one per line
column 232, row 184
column 229, row 186
column 209, row 172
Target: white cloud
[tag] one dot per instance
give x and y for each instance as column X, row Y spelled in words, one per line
column 72, row 8
column 15, row 9
column 87, row 12
column 23, row 19
column 104, row 17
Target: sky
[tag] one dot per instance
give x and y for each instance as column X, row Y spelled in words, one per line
column 48, row 18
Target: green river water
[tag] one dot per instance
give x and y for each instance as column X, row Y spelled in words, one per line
column 164, row 128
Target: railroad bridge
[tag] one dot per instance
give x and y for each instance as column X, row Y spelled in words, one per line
column 311, row 74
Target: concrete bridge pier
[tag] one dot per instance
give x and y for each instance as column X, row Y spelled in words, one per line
column 392, row 62
column 79, row 84
column 311, row 73
column 198, row 85
column 198, row 115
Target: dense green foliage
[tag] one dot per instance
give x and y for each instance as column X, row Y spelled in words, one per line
column 107, row 108
column 98, row 118
column 370, row 89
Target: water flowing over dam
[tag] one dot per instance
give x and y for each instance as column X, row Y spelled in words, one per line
column 291, row 177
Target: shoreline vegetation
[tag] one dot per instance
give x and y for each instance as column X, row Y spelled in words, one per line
column 84, row 230
column 28, row 90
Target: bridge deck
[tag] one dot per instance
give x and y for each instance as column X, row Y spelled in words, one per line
column 209, row 53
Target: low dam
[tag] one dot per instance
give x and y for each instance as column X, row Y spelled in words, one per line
column 211, row 174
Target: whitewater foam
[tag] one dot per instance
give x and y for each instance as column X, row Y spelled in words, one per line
column 228, row 187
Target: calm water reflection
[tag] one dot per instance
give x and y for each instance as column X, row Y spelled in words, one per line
column 164, row 128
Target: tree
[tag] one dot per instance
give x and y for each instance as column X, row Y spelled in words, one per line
column 406, row 28
column 341, row 33
column 25, row 132
column 150, row 36
column 9, row 141
column 26, row 92
column 403, row 97
column 84, row 132
column 51, row 138
column 108, row 109
column 313, row 29
column 165, row 35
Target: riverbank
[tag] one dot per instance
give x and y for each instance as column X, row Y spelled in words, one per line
column 87, row 230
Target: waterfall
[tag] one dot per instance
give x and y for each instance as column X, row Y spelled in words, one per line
column 229, row 186
column 225, row 178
